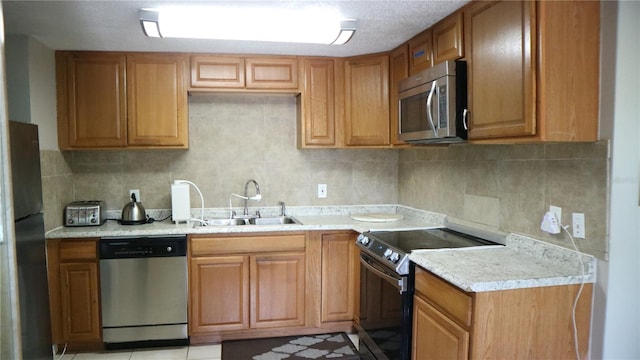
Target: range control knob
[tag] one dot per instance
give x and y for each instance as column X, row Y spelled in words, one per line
column 395, row 257
column 363, row 239
column 387, row 253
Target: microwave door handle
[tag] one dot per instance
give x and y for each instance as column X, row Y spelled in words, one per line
column 429, row 115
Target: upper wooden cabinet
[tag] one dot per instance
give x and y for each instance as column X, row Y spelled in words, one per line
column 398, row 70
column 366, row 84
column 316, row 104
column 117, row 100
column 157, row 106
column 220, row 72
column 448, row 41
column 533, row 70
column 420, row 52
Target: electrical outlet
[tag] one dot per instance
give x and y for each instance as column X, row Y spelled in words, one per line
column 137, row 193
column 578, row 225
column 322, row 191
column 558, row 211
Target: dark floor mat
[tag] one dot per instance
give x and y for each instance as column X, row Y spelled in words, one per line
column 305, row 347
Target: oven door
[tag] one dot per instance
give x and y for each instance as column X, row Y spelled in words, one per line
column 386, row 304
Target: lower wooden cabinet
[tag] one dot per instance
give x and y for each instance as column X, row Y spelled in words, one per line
column 243, row 283
column 74, row 291
column 338, row 276
column 531, row 323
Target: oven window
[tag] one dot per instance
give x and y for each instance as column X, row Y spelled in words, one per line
column 383, row 318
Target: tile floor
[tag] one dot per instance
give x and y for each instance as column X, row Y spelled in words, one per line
column 193, row 352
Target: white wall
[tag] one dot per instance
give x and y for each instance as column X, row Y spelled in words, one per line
column 42, row 85
column 616, row 330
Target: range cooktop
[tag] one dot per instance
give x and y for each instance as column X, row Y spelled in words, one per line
column 392, row 248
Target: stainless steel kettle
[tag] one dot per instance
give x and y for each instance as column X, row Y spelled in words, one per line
column 133, row 213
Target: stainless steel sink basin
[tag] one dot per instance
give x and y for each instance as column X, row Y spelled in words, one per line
column 275, row 220
column 226, row 222
column 272, row 220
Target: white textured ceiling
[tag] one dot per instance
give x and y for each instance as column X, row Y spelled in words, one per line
column 114, row 26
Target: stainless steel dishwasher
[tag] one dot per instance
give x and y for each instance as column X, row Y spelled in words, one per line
column 143, row 284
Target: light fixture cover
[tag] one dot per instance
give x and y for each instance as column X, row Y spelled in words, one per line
column 316, row 26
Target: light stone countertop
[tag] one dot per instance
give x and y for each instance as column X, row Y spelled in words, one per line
column 523, row 262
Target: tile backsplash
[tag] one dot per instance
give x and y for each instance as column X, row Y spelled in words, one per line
column 234, row 138
column 510, row 187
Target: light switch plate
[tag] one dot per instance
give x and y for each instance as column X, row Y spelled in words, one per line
column 322, row 191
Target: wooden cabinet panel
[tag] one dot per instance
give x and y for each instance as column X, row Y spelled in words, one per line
column 92, row 105
column 447, row 39
column 338, row 276
column 399, row 68
column 208, row 71
column 272, row 73
column 79, row 302
column 157, row 106
column 246, row 244
column 78, row 250
column 219, row 295
column 501, row 69
column 317, row 120
column 450, row 299
column 420, row 52
column 568, row 91
column 277, row 290
column 436, row 337
column 367, row 101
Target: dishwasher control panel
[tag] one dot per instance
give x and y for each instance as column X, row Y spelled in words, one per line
column 140, row 247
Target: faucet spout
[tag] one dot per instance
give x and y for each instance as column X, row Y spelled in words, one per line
column 256, row 197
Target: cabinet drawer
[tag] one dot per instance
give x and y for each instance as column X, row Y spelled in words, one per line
column 247, row 244
column 78, row 250
column 445, row 296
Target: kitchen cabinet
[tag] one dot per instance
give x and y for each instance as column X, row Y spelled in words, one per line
column 366, row 94
column 448, row 41
column 523, row 85
column 317, row 118
column 240, row 284
column 453, row 324
column 117, row 100
column 339, row 283
column 219, row 72
column 420, row 52
column 399, row 69
column 72, row 266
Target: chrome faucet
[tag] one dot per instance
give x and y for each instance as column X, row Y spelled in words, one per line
column 256, row 197
column 282, row 208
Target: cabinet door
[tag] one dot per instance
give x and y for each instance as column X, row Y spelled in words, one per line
column 420, row 52
column 219, row 294
column 79, row 302
column 367, row 101
column 217, row 72
column 436, row 336
column 157, row 100
column 338, row 277
column 277, row 290
column 399, row 68
column 318, row 122
column 500, row 43
column 447, row 39
column 272, row 73
column 91, row 100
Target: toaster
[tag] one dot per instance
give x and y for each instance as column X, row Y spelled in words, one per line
column 85, row 213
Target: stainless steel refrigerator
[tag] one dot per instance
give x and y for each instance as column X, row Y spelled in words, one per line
column 33, row 287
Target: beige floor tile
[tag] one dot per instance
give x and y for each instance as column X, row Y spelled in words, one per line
column 179, row 353
column 107, row 355
column 205, row 352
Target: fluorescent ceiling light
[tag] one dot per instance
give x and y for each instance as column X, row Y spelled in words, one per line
column 313, row 25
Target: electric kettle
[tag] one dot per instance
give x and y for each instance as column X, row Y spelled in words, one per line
column 133, row 213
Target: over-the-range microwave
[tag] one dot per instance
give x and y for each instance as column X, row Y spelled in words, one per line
column 433, row 105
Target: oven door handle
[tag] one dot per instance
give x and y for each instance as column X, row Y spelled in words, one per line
column 399, row 283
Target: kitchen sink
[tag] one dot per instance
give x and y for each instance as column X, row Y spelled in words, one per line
column 275, row 220
column 272, row 220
